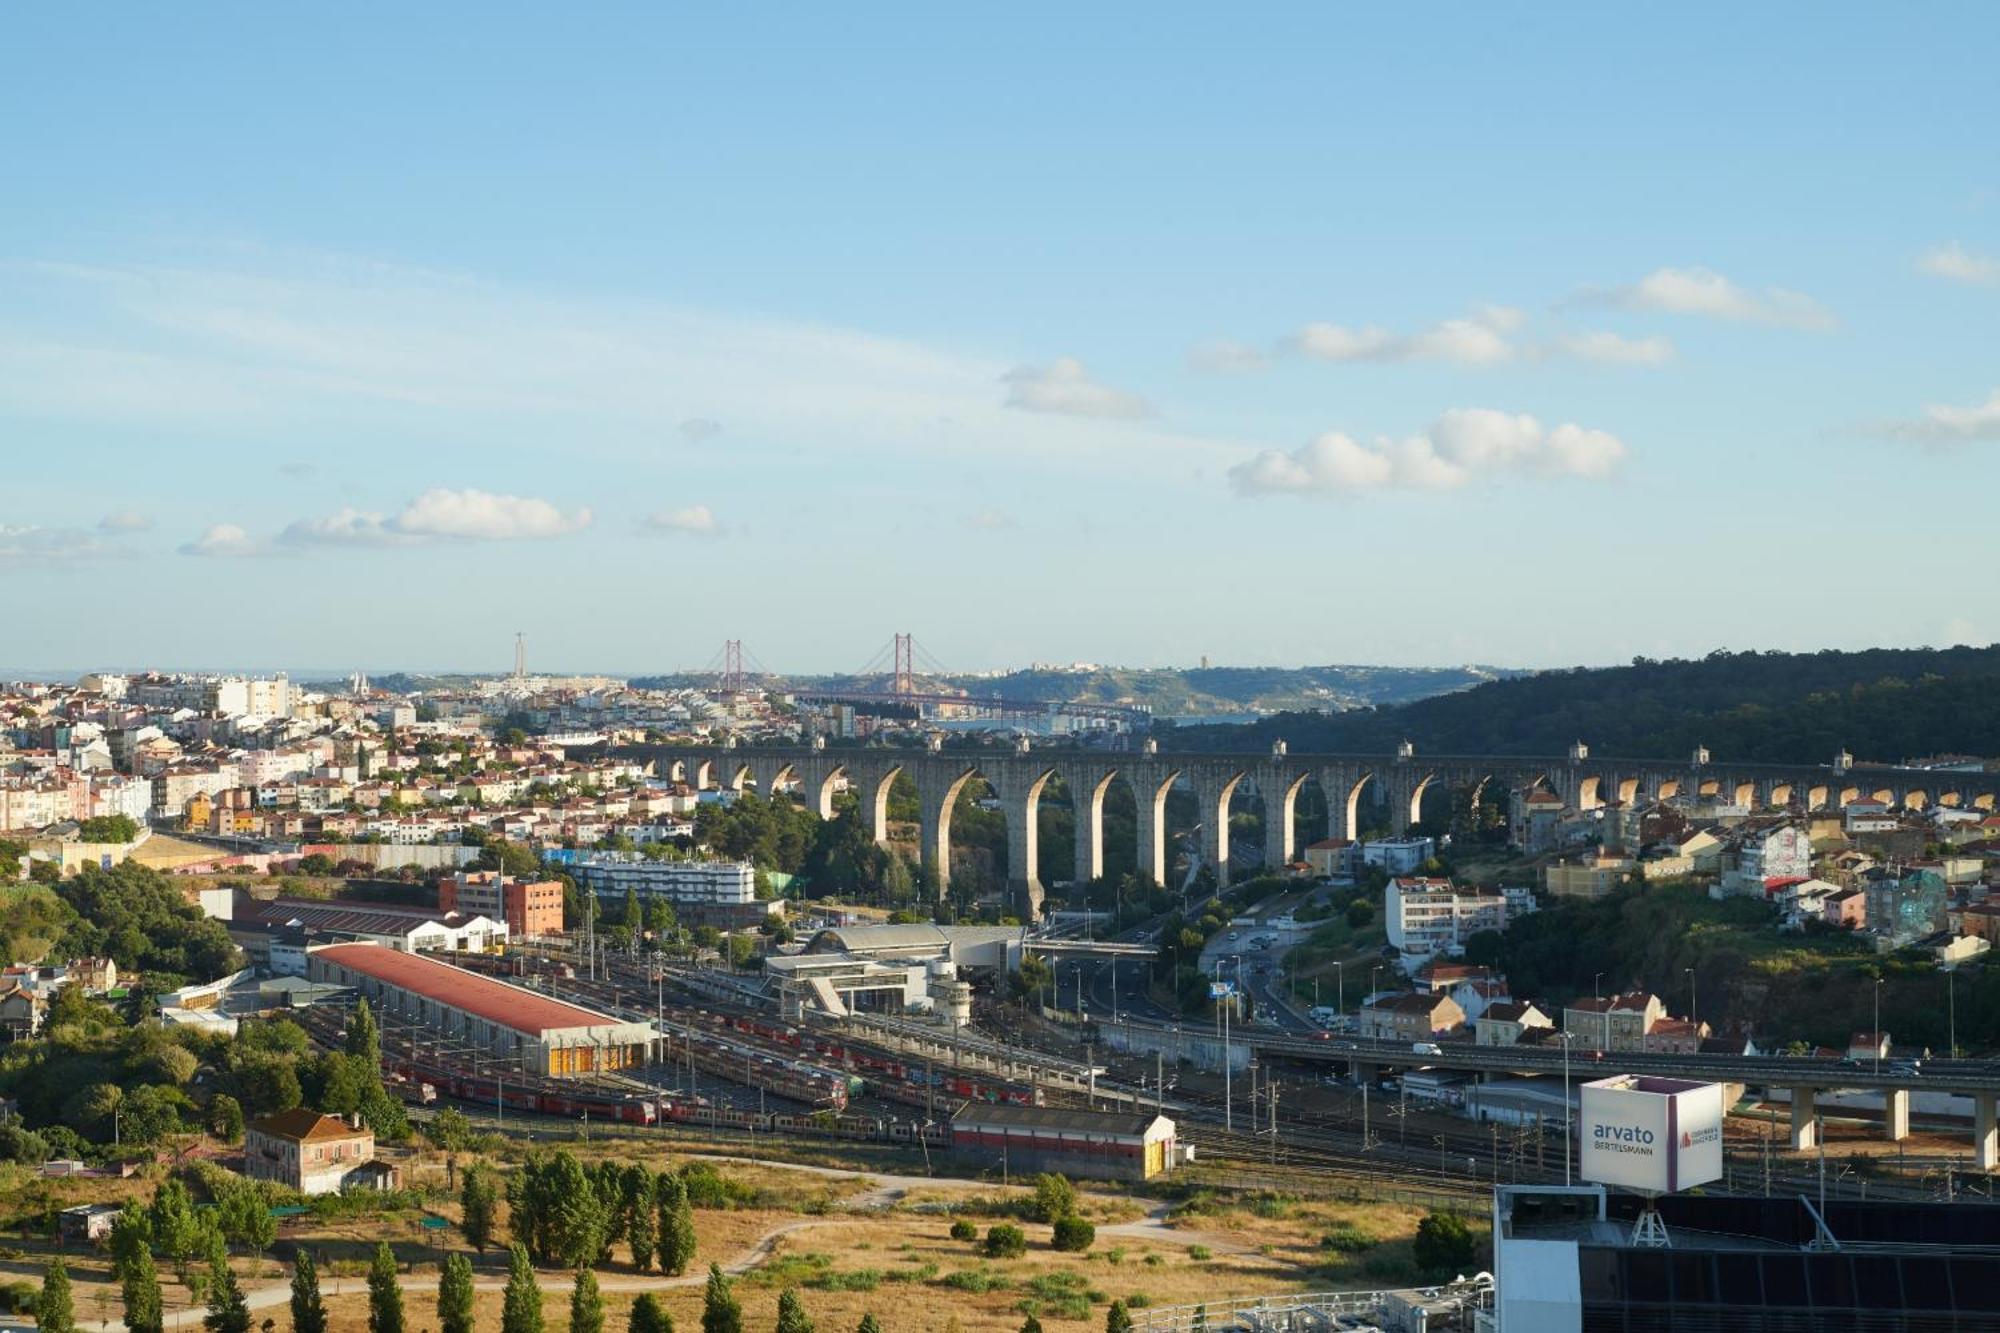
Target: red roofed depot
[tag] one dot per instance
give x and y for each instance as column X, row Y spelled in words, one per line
column 546, row 1036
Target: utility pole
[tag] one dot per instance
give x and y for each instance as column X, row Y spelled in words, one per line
column 1273, row 1093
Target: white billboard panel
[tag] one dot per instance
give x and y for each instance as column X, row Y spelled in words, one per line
column 1658, row 1134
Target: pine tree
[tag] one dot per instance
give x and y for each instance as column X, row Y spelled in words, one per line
column 138, row 1280
column 385, row 1294
column 649, row 1316
column 868, row 1324
column 586, row 1304
column 308, row 1310
column 642, row 1223
column 478, row 1200
column 1117, row 1319
column 455, row 1295
column 227, row 1310
column 55, row 1312
column 1031, row 1325
column 720, row 1312
column 521, row 1307
column 676, row 1241
column 792, row 1317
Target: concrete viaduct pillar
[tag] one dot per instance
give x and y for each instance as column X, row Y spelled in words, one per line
column 1985, row 1132
column 1020, row 788
column 1086, row 794
column 1212, row 793
column 937, row 792
column 1896, row 1114
column 1149, row 790
column 1805, row 1128
column 1281, row 795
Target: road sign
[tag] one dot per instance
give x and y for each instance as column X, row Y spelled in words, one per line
column 1221, row 990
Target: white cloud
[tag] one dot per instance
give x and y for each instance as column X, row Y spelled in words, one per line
column 1460, row 446
column 1478, row 339
column 125, row 520
column 694, row 521
column 482, row 516
column 1706, row 293
column 697, row 429
column 1225, row 356
column 1959, row 264
column 1942, row 423
column 224, row 541
column 29, row 543
column 1616, row 349
column 1064, row 387
column 440, row 514
column 261, row 342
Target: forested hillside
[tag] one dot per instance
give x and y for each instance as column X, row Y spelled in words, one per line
column 1882, row 705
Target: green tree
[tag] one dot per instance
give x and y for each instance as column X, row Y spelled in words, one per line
column 792, row 1316
column 1074, row 1234
column 868, row 1324
column 521, row 1307
column 55, row 1311
column 1443, row 1244
column 225, row 1118
column 454, row 1306
column 449, row 1131
column 1031, row 1325
column 676, row 1240
column 1005, row 1241
column 385, row 1293
column 1054, row 1199
column 478, row 1200
column 720, row 1312
column 174, row 1229
column 246, row 1220
column 228, row 1312
column 1117, row 1319
column 364, row 1039
column 649, row 1316
column 630, row 915
column 139, row 1286
column 642, row 1221
column 308, row 1310
column 586, row 1304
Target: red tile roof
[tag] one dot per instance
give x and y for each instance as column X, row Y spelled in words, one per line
column 495, row 1001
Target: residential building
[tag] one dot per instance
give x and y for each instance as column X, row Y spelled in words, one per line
column 1427, row 917
column 305, row 1150
column 1398, row 856
column 1613, row 1022
column 610, row 874
column 1535, row 821
column 1674, row 1036
column 530, row 909
column 1332, row 858
column 1411, row 1016
column 1593, row 876
column 1506, row 1023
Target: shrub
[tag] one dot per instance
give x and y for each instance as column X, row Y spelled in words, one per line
column 1201, row 1254
column 1005, row 1241
column 1074, row 1234
column 1346, row 1238
column 1443, row 1243
column 1054, row 1198
column 964, row 1230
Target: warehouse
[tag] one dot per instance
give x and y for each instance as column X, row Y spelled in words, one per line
column 524, row 1028
column 1103, row 1145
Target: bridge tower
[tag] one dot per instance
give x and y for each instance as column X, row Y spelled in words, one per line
column 904, row 680
column 732, row 667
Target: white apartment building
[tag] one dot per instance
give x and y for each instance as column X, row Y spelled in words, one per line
column 1398, row 856
column 1431, row 917
column 610, row 874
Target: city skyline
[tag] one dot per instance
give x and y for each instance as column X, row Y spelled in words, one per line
column 1282, row 338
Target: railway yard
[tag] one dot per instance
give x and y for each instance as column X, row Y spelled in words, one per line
column 726, row 1063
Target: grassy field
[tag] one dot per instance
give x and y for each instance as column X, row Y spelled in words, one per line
column 852, row 1244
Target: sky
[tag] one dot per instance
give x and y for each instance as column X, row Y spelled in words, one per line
column 363, row 337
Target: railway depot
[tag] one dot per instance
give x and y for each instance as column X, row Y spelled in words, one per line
column 537, row 1034
column 1102, row 1145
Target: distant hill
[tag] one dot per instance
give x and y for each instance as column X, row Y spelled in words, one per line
column 1882, row 705
column 1198, row 692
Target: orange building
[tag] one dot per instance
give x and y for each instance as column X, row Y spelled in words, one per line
column 528, row 908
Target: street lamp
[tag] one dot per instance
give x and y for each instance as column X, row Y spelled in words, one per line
column 1595, row 994
column 1875, row 1037
column 1569, row 1148
column 1693, row 1004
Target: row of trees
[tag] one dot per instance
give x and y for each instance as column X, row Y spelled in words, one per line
column 565, row 1213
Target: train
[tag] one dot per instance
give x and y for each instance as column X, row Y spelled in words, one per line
column 738, row 1062
column 874, row 1129
column 623, row 1104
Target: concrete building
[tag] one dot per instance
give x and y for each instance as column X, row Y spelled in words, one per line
column 1613, row 1022
column 1332, row 858
column 531, row 909
column 1593, row 876
column 523, row 1028
column 1410, row 1017
column 1428, row 917
column 306, row 1151
column 275, row 933
column 1099, row 1145
column 1398, row 856
column 690, row 883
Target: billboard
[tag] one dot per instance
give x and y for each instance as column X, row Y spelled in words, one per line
column 1656, row 1134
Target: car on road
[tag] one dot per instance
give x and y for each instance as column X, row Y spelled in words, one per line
column 1426, row 1048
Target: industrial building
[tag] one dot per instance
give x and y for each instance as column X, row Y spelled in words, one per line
column 1567, row 1260
column 530, row 908
column 276, row 935
column 988, row 948
column 1102, row 1145
column 521, row 1027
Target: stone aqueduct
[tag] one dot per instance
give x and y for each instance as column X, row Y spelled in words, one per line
column 1019, row 776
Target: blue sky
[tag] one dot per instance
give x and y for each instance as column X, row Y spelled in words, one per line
column 1277, row 334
